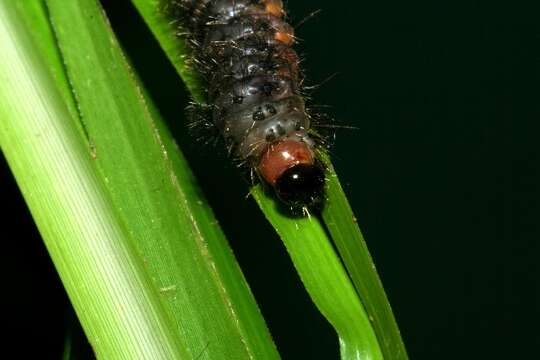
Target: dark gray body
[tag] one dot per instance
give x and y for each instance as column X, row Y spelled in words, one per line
column 253, row 78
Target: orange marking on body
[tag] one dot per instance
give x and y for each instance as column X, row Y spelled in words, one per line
column 283, row 37
column 275, row 8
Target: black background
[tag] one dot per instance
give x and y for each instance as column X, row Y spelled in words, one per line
column 441, row 172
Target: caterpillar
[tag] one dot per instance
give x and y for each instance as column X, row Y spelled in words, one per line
column 243, row 48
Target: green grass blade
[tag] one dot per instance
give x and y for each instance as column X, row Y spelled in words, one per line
column 325, row 279
column 105, row 281
column 342, row 225
column 32, row 14
column 205, row 307
column 154, row 14
column 185, row 253
column 347, row 237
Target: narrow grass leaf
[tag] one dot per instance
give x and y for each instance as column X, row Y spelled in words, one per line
column 343, row 227
column 325, row 279
column 166, row 32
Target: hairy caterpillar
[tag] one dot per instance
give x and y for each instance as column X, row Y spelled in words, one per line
column 244, row 50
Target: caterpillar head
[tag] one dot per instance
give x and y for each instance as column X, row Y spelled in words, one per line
column 290, row 167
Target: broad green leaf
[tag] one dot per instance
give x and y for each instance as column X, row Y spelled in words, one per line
column 106, row 282
column 203, row 307
column 173, row 230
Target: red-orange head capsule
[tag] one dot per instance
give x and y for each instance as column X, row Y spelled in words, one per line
column 292, row 169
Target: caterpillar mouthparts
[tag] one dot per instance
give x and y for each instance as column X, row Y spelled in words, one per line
column 243, row 48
